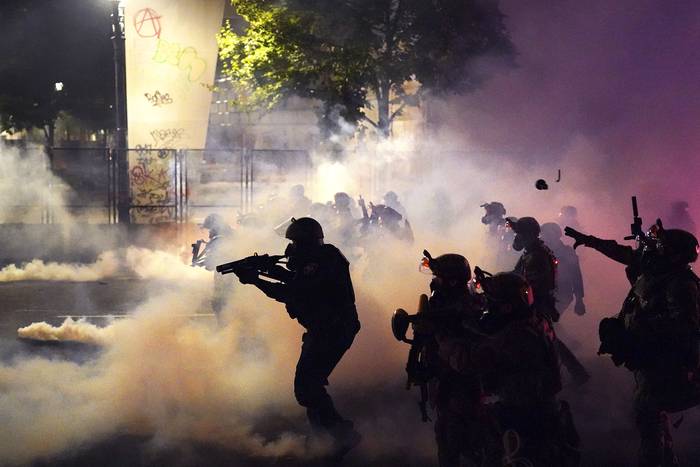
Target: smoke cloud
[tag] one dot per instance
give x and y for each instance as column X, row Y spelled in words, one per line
column 605, row 92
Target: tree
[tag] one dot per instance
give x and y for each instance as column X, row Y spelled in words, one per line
column 355, row 55
column 45, row 43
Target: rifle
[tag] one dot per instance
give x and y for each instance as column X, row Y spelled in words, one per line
column 196, row 246
column 636, row 226
column 417, row 368
column 265, row 265
column 364, row 222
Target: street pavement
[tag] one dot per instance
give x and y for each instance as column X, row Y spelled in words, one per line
column 27, row 302
column 611, row 443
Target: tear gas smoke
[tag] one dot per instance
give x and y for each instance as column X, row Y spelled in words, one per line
column 572, row 105
column 70, row 330
column 105, row 266
column 142, row 262
column 24, row 178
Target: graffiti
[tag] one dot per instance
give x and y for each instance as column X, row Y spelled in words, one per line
column 185, row 58
column 165, row 137
column 143, row 149
column 157, row 99
column 147, row 23
column 152, row 186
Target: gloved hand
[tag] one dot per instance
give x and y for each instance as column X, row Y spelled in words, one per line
column 580, row 307
column 247, row 276
column 579, row 238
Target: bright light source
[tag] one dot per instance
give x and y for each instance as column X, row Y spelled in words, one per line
column 58, row 86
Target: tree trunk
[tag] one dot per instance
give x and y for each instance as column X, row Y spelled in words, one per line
column 383, row 117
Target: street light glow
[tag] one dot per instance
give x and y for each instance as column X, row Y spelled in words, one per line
column 58, row 86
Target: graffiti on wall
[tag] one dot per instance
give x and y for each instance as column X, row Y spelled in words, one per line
column 147, row 23
column 152, row 181
column 185, row 58
column 158, row 99
column 165, row 137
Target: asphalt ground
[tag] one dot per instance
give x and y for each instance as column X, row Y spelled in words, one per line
column 604, row 422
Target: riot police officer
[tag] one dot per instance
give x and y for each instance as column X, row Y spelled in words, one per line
column 215, row 251
column 656, row 333
column 317, row 290
column 391, row 199
column 569, row 277
column 538, row 266
column 455, row 390
column 519, row 367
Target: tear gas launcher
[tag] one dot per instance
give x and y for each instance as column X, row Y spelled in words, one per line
column 269, row 266
column 417, row 366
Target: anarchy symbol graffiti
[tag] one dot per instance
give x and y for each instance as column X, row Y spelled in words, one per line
column 147, row 23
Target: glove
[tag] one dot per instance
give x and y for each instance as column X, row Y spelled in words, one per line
column 580, row 307
column 247, row 276
column 579, row 238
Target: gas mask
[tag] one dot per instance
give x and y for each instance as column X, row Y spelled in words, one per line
column 518, row 242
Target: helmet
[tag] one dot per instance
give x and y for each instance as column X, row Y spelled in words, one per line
column 342, row 199
column 391, row 197
column 551, row 231
column 451, row 266
column 678, row 242
column 494, row 208
column 213, row 222
column 507, row 287
column 525, row 226
column 304, row 230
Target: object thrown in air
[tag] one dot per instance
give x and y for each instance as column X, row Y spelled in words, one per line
column 541, row 185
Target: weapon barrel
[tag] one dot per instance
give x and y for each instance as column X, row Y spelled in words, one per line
column 635, row 210
column 228, row 268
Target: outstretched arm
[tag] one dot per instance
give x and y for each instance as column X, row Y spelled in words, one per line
column 621, row 253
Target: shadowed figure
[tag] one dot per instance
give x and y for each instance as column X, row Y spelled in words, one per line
column 538, row 266
column 655, row 335
column 317, row 290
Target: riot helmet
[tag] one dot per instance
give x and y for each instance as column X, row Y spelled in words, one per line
column 342, row 200
column 677, row 245
column 508, row 297
column 391, row 197
column 305, row 231
column 494, row 212
column 507, row 287
column 526, row 229
column 216, row 225
column 452, row 268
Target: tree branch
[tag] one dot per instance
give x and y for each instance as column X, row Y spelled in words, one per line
column 368, row 120
column 397, row 112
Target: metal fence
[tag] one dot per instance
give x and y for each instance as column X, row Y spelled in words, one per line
column 165, row 185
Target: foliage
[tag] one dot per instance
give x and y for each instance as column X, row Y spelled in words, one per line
column 354, row 55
